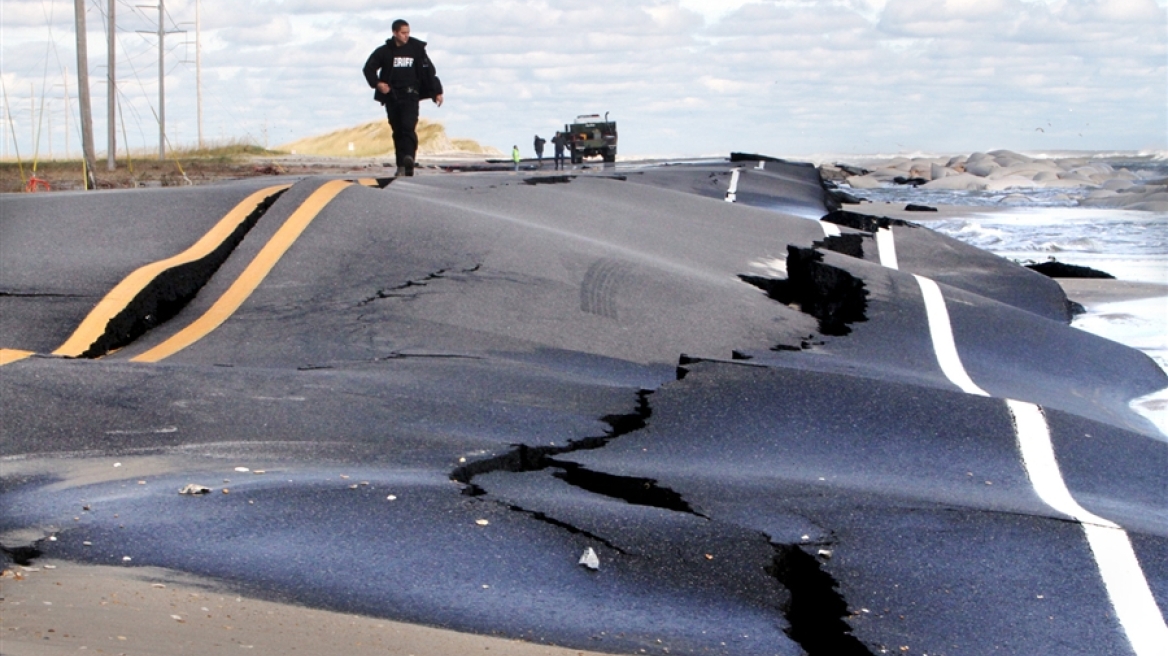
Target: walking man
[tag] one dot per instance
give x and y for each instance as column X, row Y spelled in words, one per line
column 403, row 75
column 515, row 156
column 539, row 150
column 558, row 142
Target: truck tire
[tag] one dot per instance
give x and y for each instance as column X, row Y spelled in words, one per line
column 610, row 156
column 577, row 157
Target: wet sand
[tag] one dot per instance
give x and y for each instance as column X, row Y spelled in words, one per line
column 65, row 608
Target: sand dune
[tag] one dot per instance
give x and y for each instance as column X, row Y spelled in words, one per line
column 375, row 139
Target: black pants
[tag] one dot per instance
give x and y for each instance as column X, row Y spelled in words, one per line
column 403, row 120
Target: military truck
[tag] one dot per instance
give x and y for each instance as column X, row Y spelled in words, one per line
column 590, row 136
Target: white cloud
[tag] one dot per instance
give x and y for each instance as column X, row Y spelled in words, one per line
column 681, row 76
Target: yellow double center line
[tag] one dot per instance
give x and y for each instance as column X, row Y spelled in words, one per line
column 8, row 356
column 251, row 277
column 94, row 325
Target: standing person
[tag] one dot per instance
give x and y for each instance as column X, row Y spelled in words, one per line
column 515, row 156
column 403, row 75
column 539, row 150
column 558, row 142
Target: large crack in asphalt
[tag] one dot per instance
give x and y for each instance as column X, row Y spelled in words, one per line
column 833, row 296
column 169, row 292
column 525, row 458
column 23, row 555
column 816, row 610
column 865, row 222
column 634, row 490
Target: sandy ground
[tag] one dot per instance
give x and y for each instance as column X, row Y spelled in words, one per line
column 58, row 608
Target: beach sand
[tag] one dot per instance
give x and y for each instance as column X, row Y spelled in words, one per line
column 64, row 608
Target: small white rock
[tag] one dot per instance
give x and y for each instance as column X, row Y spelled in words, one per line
column 242, row 469
column 589, row 559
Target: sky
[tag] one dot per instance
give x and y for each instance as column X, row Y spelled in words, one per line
column 682, row 78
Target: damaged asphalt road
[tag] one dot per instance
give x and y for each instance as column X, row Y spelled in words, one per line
column 425, row 402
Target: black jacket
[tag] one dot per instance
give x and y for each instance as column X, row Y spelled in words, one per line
column 415, row 73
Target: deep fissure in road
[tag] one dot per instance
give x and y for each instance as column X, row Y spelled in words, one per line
column 865, row 222
column 816, row 609
column 169, row 292
column 525, row 458
column 833, row 296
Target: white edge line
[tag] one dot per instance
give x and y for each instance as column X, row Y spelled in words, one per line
column 1127, row 586
column 731, row 194
column 886, row 246
column 942, row 334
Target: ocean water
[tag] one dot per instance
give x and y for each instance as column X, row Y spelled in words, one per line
column 1130, row 245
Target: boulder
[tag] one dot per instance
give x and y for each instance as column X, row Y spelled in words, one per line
column 1117, row 184
column 888, row 174
column 1059, row 183
column 1075, row 177
column 1150, row 206
column 981, row 168
column 958, row 182
column 1102, row 193
column 937, row 171
column 864, row 182
column 1008, row 154
column 1010, row 182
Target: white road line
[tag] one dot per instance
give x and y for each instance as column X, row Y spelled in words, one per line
column 1127, row 587
column 886, row 246
column 731, row 194
column 830, row 229
column 942, row 333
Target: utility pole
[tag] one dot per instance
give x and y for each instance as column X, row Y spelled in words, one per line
column 83, row 93
column 198, row 73
column 68, row 114
column 161, row 78
column 111, row 163
column 161, row 82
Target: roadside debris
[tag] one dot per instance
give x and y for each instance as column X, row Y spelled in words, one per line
column 589, row 559
column 192, row 488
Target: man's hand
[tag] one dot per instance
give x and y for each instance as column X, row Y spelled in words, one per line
column 383, row 87
column 438, row 100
